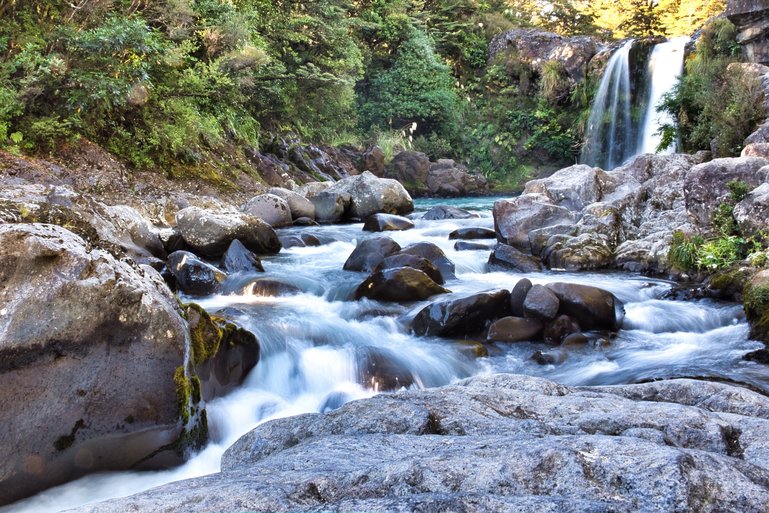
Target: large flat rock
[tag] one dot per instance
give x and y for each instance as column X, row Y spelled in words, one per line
column 498, row 443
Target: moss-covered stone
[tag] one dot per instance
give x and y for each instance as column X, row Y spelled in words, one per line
column 205, row 334
column 729, row 283
column 183, row 393
column 756, row 302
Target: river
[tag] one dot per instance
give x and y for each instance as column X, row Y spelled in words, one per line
column 313, row 344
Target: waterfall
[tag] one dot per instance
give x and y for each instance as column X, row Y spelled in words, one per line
column 665, row 67
column 615, row 129
column 608, row 136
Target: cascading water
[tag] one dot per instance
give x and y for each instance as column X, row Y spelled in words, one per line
column 615, row 130
column 666, row 64
column 608, row 140
column 319, row 349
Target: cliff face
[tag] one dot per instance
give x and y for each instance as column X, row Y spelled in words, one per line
column 752, row 20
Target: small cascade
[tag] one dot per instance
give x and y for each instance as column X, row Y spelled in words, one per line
column 609, row 139
column 666, row 65
column 624, row 121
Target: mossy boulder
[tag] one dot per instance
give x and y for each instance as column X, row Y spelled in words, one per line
column 756, row 301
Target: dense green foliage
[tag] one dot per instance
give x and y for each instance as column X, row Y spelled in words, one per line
column 715, row 106
column 169, row 83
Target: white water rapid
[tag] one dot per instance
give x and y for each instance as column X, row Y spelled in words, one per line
column 666, row 64
column 315, row 345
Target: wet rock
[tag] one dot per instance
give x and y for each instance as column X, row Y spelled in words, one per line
column 413, row 261
column 514, row 219
column 472, row 233
column 400, row 284
column 299, row 241
column 462, row 245
column 575, row 340
column 305, row 221
column 673, row 443
column 270, row 208
column 507, row 258
column 540, row 303
column 705, row 186
column 593, row 308
column 752, row 213
column 514, row 329
column 559, row 329
column 369, row 253
column 238, row 259
column 262, row 287
column 552, row 357
column 210, row 232
column 298, row 205
column 381, row 369
column 464, row 316
column 447, row 212
column 371, row 195
column 87, row 341
column 386, row 223
column 172, row 240
column 193, row 276
column 756, row 303
column 518, row 296
column 435, row 255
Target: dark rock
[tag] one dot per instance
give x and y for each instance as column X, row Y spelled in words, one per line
column 410, row 168
column 87, row 341
column 514, row 329
column 472, row 233
column 756, row 304
column 210, row 232
column 381, row 369
column 593, row 308
column 558, row 330
column 386, row 222
column 291, row 241
column 305, row 221
column 172, row 240
column 435, row 255
column 518, row 296
column 400, row 284
column 465, row 316
column 261, row 287
column 238, row 258
column 540, row 303
column 447, row 212
column 374, row 161
column 507, row 258
column 462, row 245
column 552, row 357
column 575, row 340
column 413, row 261
column 369, row 253
column 193, row 276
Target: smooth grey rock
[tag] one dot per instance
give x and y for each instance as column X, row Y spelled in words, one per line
column 518, row 296
column 752, row 213
column 447, row 212
column 270, row 208
column 573, row 188
column 210, row 232
column 297, row 204
column 86, row 342
column 508, row 258
column 330, row 206
column 497, row 443
column 472, row 233
column 515, row 218
column 386, row 223
column 514, row 329
column 540, row 303
column 413, row 261
column 371, row 195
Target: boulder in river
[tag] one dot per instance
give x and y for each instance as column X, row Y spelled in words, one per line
column 592, row 307
column 540, row 303
column 520, row 443
column 238, row 258
column 194, row 276
column 386, row 223
column 515, row 218
column 447, row 212
column 210, row 232
column 435, row 255
column 471, row 233
column 371, row 195
column 401, row 284
column 463, row 245
column 271, row 209
column 369, row 253
column 297, row 204
column 514, row 329
column 413, row 261
column 330, row 206
column 508, row 258
column 465, row 316
column 88, row 355
column 518, row 296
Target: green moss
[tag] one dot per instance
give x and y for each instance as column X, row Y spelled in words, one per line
column 756, row 302
column 205, row 334
column 730, row 281
column 183, row 393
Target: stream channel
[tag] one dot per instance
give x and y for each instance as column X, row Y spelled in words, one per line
column 312, row 344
